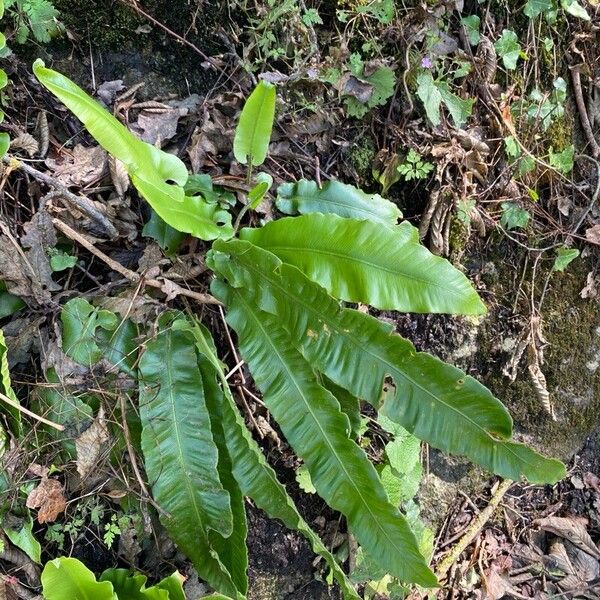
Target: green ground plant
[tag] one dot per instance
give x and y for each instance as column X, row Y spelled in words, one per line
column 284, row 286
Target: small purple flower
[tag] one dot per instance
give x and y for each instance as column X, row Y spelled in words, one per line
column 426, row 62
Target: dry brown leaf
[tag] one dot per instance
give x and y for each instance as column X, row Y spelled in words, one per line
column 49, row 498
column 118, row 175
column 590, row 290
column 84, row 166
column 89, row 445
column 158, row 127
column 593, row 234
column 571, row 529
column 25, row 142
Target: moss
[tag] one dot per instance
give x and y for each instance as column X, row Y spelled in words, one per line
column 361, row 156
column 265, row 586
column 572, row 327
column 560, row 133
column 123, row 51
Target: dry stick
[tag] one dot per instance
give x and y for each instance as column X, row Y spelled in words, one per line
column 133, row 459
column 83, row 204
column 583, row 115
column 473, row 529
column 166, row 286
column 27, row 412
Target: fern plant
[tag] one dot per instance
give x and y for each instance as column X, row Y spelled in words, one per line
column 284, row 286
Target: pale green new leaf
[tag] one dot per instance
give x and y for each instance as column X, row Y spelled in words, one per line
column 132, row 586
column 253, row 132
column 180, row 455
column 158, row 176
column 335, row 197
column 255, row 477
column 361, row 261
column 6, row 389
column 313, row 424
column 64, row 578
column 435, row 401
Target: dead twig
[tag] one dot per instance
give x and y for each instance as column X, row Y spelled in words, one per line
column 81, row 203
column 166, row 286
column 473, row 529
column 132, row 457
column 27, row 412
column 583, row 115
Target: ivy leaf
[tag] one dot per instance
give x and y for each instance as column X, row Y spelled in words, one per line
column 533, row 8
column 167, row 237
column 563, row 161
column 509, row 49
column 471, row 25
column 80, row 321
column 564, row 256
column 61, row 261
column 513, row 216
column 574, row 8
column 430, row 96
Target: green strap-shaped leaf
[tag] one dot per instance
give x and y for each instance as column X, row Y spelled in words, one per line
column 157, row 175
column 360, row 261
column 255, row 477
column 68, row 578
column 349, row 404
column 312, row 422
column 336, row 198
column 132, row 586
column 435, row 401
column 180, row 455
column 6, row 388
column 232, row 550
column 253, row 132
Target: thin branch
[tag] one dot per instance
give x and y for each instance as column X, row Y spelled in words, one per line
column 83, row 204
column 473, row 529
column 583, row 115
column 27, row 412
column 168, row 287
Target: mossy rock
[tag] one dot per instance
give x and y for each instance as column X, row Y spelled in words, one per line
column 571, row 325
column 125, row 45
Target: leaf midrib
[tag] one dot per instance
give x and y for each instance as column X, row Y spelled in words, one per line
column 340, row 331
column 319, row 426
column 349, row 257
column 366, row 211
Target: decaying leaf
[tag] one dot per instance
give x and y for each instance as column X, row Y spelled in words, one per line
column 90, row 444
column 593, row 234
column 590, row 290
column 571, row 529
column 25, row 142
column 49, row 498
column 84, row 166
column 118, row 175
